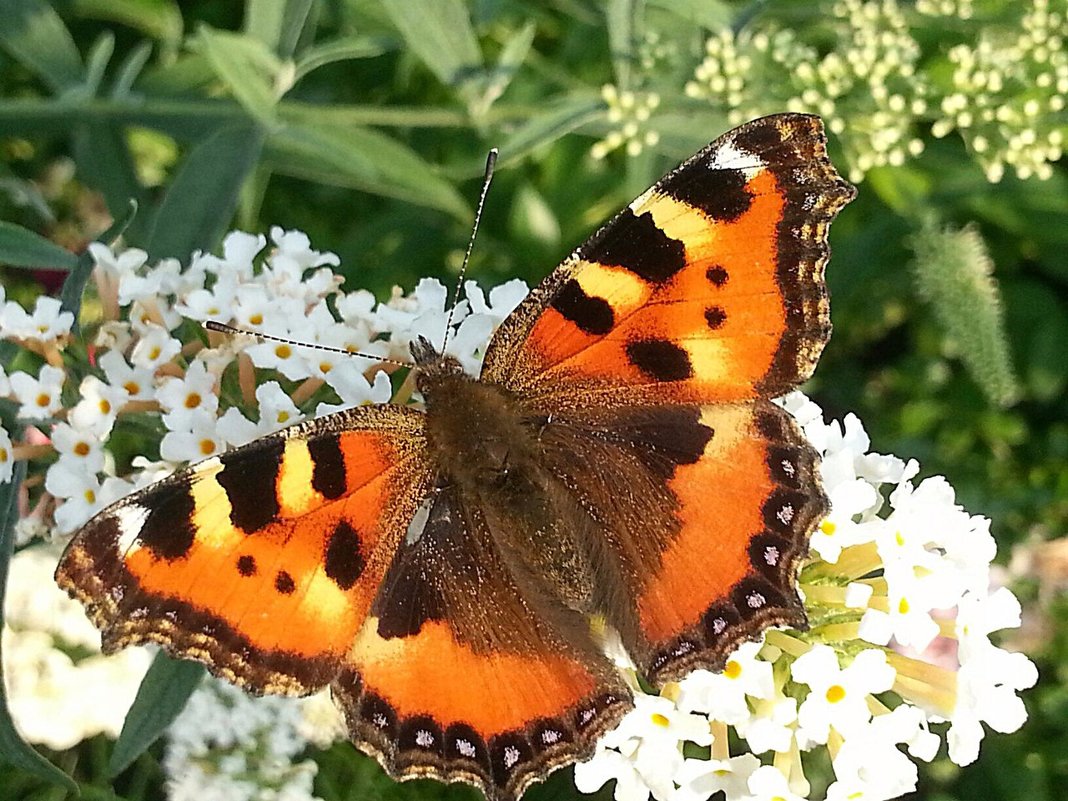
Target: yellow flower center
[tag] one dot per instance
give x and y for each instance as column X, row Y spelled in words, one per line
column 835, row 693
column 256, row 319
column 283, row 417
column 132, row 387
column 660, row 720
column 324, row 367
column 903, row 606
column 3, row 455
column 899, row 538
column 283, row 351
column 90, row 496
column 192, row 400
column 104, row 406
column 827, row 527
column 154, row 354
column 207, row 447
column 81, row 449
column 733, row 670
column 43, row 400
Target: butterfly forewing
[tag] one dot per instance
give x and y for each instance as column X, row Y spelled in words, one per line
column 261, row 562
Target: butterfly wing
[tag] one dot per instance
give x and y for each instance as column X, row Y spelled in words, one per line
column 261, row 562
column 650, row 353
column 709, row 287
column 461, row 674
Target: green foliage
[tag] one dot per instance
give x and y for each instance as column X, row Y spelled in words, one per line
column 366, row 124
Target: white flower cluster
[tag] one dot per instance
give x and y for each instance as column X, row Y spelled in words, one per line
column 150, row 359
column 867, row 87
column 60, row 690
column 897, row 594
column 1008, row 93
column 231, row 746
column 629, row 112
column 1004, row 89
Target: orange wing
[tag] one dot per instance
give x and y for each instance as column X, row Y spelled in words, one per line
column 649, row 356
column 461, row 675
column 707, row 288
column 263, row 562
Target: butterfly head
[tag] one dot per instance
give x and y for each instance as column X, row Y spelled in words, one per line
column 432, row 366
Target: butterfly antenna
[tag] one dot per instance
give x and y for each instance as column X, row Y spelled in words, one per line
column 491, row 161
column 223, row 328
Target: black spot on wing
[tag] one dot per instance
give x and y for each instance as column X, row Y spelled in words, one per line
column 344, row 561
column 660, row 359
column 283, row 582
column 591, row 314
column 328, row 466
column 168, row 529
column 720, row 193
column 636, row 243
column 715, row 317
column 663, row 437
column 249, row 478
column 717, row 275
column 246, row 565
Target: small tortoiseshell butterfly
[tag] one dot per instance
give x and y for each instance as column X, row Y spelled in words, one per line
column 619, row 459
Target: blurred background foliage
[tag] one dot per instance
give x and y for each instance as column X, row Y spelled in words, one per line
column 366, row 125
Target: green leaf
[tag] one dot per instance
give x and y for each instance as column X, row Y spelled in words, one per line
column 200, row 202
column 13, row 749
column 37, row 38
column 554, row 123
column 511, row 58
column 70, row 296
column 160, row 19
column 20, row 247
column 439, row 32
column 130, row 69
column 363, row 159
column 247, row 66
column 97, row 62
column 104, row 163
column 711, row 14
column 277, row 24
column 343, row 49
column 161, row 697
column 955, row 274
column 621, row 21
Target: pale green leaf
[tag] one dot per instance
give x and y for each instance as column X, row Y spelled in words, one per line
column 246, row 65
column 277, row 23
column 160, row 19
column 439, row 32
column 343, row 49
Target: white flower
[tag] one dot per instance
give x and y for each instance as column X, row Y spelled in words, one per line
column 838, row 698
column 155, row 348
column 47, row 323
column 68, row 479
column 198, row 440
column 870, row 766
column 722, row 696
column 78, row 446
column 40, row 397
column 240, row 250
column 287, row 359
column 5, row 383
column 771, row 725
column 768, row 784
column 116, row 266
column 162, row 279
column 189, row 396
column 277, row 411
column 98, row 407
column 7, row 456
column 136, row 382
column 699, row 779
column 355, row 390
column 57, row 701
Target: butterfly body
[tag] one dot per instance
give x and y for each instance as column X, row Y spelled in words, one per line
column 618, row 459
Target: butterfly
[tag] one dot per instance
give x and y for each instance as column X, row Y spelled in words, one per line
column 619, row 461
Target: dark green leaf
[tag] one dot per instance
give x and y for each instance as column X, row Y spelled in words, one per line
column 20, row 247
column 36, row 37
column 199, row 205
column 161, row 697
column 160, row 19
column 13, row 749
column 246, row 65
column 97, row 62
column 130, row 69
column 104, row 163
column 439, row 32
column 340, row 50
column 70, row 295
column 363, row 159
column 712, row 14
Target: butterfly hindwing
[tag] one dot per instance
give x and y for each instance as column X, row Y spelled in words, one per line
column 708, row 287
column 458, row 674
column 261, row 562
